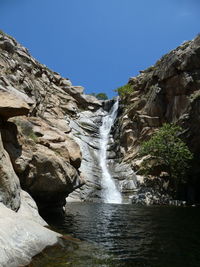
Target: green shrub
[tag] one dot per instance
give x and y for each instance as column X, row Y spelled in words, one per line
column 33, row 136
column 124, row 90
column 101, row 96
column 168, row 150
column 26, row 129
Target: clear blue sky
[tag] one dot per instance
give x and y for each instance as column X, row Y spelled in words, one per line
column 99, row 44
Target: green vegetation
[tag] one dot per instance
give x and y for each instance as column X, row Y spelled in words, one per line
column 26, row 128
column 5, row 34
column 124, row 90
column 149, row 69
column 33, row 136
column 165, row 148
column 100, row 96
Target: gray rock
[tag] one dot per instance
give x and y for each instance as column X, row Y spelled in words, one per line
column 8, row 46
column 21, row 238
column 86, row 131
column 9, row 182
column 29, row 210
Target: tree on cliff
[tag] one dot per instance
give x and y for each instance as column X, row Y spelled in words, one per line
column 100, row 96
column 165, row 148
column 124, row 90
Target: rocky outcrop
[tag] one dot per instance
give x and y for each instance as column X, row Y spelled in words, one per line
column 11, row 104
column 85, row 130
column 49, row 147
column 55, row 150
column 166, row 92
column 43, row 154
column 61, row 130
column 37, row 151
column 9, row 182
column 45, row 159
column 22, row 234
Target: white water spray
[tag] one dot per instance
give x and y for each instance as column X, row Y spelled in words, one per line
column 110, row 194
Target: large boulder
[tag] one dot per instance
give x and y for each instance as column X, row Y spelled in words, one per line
column 12, row 103
column 21, row 238
column 45, row 159
column 85, row 101
column 50, row 179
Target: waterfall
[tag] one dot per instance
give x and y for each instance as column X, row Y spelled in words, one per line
column 110, row 194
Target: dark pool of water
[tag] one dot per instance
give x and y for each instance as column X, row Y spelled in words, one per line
column 127, row 235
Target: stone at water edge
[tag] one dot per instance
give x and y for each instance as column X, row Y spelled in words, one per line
column 21, row 238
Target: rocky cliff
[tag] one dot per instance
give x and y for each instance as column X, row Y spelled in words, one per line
column 43, row 155
column 50, row 142
column 46, row 126
column 166, row 92
column 49, row 147
column 38, row 152
column 85, row 130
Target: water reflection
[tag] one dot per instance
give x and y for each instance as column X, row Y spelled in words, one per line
column 114, row 227
column 127, row 235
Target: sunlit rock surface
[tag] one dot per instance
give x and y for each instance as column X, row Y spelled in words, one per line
column 166, row 92
column 44, row 157
column 85, row 129
column 22, row 237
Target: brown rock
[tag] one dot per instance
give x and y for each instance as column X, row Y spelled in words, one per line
column 50, row 178
column 166, row 92
column 11, row 106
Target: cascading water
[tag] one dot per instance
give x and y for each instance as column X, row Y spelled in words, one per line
column 110, row 193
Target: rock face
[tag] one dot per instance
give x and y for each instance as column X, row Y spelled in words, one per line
column 12, row 105
column 26, row 236
column 45, row 159
column 37, row 150
column 85, row 129
column 43, row 154
column 49, row 147
column 61, row 130
column 166, row 92
column 9, row 182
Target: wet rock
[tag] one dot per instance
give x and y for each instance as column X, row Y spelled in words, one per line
column 86, row 131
